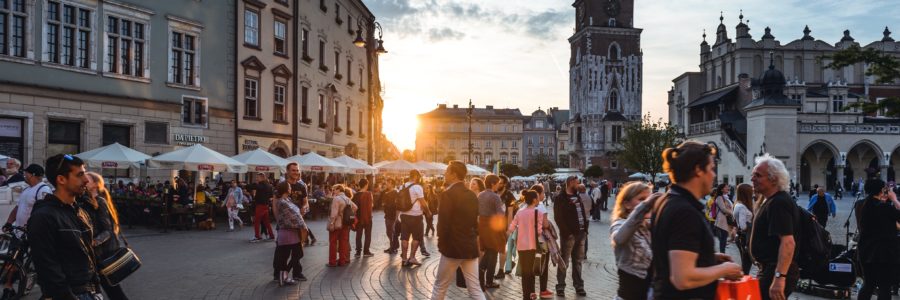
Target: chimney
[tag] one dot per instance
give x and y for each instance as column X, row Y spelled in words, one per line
column 489, row 107
column 442, row 106
column 455, row 106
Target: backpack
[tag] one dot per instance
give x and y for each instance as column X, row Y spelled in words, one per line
column 405, row 202
column 389, row 201
column 711, row 209
column 348, row 218
column 813, row 243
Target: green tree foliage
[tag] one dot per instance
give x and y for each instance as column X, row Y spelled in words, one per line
column 409, row 155
column 593, row 172
column 642, row 144
column 884, row 67
column 510, row 170
column 542, row 164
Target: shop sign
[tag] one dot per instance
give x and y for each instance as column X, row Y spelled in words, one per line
column 262, row 169
column 249, row 145
column 360, row 171
column 205, row 167
column 11, row 128
column 316, row 168
column 189, row 139
column 110, row 164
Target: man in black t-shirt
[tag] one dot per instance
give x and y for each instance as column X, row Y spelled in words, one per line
column 389, row 202
column 571, row 219
column 772, row 242
column 262, row 196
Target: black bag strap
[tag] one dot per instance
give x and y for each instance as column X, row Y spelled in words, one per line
column 536, row 241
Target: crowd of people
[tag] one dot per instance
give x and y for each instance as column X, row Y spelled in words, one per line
column 664, row 242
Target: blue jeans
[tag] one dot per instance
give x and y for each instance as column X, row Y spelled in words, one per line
column 572, row 252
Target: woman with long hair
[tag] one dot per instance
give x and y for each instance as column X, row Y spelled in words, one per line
column 724, row 214
column 743, row 216
column 338, row 232
column 527, row 224
column 547, row 235
column 290, row 224
column 476, row 185
column 630, row 238
column 105, row 221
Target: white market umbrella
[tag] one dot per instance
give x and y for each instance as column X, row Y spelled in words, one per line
column 476, row 170
column 428, row 168
column 396, row 166
column 639, row 175
column 198, row 158
column 314, row 162
column 356, row 166
column 113, row 156
column 261, row 161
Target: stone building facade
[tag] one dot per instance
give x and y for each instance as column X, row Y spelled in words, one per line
column 756, row 96
column 539, row 137
column 151, row 75
column 443, row 135
column 605, row 79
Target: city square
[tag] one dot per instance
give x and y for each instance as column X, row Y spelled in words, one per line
column 233, row 149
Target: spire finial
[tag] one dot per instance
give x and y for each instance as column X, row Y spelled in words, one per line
column 721, row 17
column 887, row 35
column 741, row 17
column 704, row 34
column 771, row 60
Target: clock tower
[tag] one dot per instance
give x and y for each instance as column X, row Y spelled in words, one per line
column 605, row 80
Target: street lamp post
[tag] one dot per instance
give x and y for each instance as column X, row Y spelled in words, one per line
column 373, row 48
column 469, row 119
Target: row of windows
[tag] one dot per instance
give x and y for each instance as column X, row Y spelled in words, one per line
column 476, row 127
column 70, row 33
column 252, row 29
column 477, row 158
column 540, row 140
column 252, row 105
column 65, row 136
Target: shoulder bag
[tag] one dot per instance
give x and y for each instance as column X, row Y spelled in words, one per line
column 119, row 265
column 540, row 249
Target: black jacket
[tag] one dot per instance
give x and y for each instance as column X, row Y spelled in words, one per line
column 457, row 228
column 878, row 232
column 565, row 213
column 60, row 237
column 102, row 223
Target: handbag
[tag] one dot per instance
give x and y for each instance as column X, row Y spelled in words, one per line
column 747, row 288
column 119, row 265
column 540, row 251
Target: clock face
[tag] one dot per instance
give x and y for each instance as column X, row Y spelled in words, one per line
column 613, row 7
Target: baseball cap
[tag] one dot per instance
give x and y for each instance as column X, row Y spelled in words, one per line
column 35, row 169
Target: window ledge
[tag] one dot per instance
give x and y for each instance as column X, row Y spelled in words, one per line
column 182, row 86
column 252, row 118
column 281, row 54
column 155, row 143
column 252, row 46
column 281, row 122
column 16, row 59
column 126, row 77
column 192, row 125
column 307, row 59
column 69, row 68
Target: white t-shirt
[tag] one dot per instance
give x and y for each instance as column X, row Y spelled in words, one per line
column 415, row 192
column 27, row 199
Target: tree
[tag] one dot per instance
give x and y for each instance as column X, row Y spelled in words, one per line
column 510, row 170
column 409, row 155
column 563, row 160
column 876, row 63
column 593, row 171
column 541, row 164
column 642, row 144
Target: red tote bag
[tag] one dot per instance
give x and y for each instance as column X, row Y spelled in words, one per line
column 745, row 289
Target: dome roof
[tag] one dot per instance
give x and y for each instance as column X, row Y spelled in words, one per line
column 772, row 77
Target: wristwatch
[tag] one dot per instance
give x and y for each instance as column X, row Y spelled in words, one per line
column 779, row 275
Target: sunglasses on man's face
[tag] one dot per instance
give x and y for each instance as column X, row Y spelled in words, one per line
column 67, row 157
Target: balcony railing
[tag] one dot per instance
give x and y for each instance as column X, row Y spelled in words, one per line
column 705, row 127
column 734, row 147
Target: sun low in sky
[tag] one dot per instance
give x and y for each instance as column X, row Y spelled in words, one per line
column 515, row 53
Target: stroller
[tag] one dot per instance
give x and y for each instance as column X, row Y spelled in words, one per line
column 837, row 280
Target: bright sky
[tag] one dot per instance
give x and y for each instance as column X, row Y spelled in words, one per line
column 515, row 53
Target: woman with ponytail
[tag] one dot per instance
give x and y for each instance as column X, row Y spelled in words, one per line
column 105, row 221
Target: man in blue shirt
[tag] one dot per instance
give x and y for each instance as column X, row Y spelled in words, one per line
column 819, row 208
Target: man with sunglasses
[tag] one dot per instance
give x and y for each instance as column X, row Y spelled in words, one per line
column 60, row 235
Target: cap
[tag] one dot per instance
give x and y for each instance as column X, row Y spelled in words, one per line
column 35, row 169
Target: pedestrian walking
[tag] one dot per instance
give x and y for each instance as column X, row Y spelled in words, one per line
column 527, row 224
column 300, row 197
column 571, row 218
column 57, row 232
column 604, row 195
column 234, row 202
column 630, row 237
column 411, row 225
column 364, row 219
column 491, row 225
column 822, row 205
column 772, row 237
column 457, row 231
column 685, row 264
column 595, row 194
column 548, row 237
column 389, row 202
column 879, row 250
column 105, row 222
column 743, row 216
column 36, row 190
column 262, row 193
column 339, row 227
column 724, row 220
column 510, row 207
column 288, row 248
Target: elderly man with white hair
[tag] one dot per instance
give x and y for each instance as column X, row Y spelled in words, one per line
column 13, row 171
column 776, row 224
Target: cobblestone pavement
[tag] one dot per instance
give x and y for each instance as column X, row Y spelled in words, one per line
column 222, row 265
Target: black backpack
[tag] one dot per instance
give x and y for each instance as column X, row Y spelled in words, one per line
column 348, row 218
column 405, row 201
column 814, row 243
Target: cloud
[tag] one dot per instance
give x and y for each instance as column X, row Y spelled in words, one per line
column 437, row 35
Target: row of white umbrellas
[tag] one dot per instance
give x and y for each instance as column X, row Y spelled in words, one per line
column 200, row 158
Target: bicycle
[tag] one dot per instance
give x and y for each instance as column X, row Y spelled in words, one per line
column 17, row 268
